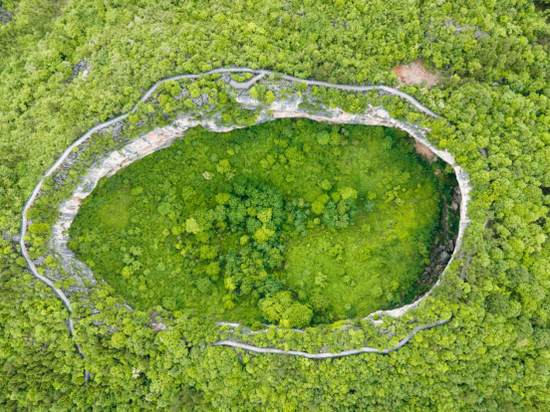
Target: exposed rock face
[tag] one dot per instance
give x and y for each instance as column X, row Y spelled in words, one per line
column 80, row 69
column 5, row 16
column 13, row 238
column 459, row 29
column 157, row 326
column 444, row 257
column 483, row 152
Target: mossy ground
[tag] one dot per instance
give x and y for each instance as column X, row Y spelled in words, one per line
column 129, row 220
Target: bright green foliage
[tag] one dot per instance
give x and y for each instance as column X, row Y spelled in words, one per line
column 494, row 96
column 37, row 228
column 191, row 226
column 283, row 310
column 251, row 231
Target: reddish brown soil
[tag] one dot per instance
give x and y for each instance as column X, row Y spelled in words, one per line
column 416, row 73
column 425, row 151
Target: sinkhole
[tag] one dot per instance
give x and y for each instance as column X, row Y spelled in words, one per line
column 291, row 222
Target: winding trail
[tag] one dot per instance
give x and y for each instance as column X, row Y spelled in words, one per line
column 328, row 355
column 259, row 74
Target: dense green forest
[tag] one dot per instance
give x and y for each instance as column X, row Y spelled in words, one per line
column 287, row 222
column 66, row 65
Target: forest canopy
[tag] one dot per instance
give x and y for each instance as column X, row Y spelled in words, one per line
column 67, row 65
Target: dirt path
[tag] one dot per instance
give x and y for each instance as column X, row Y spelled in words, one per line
column 329, row 355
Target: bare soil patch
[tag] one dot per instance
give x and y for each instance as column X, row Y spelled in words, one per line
column 416, row 73
column 424, row 151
